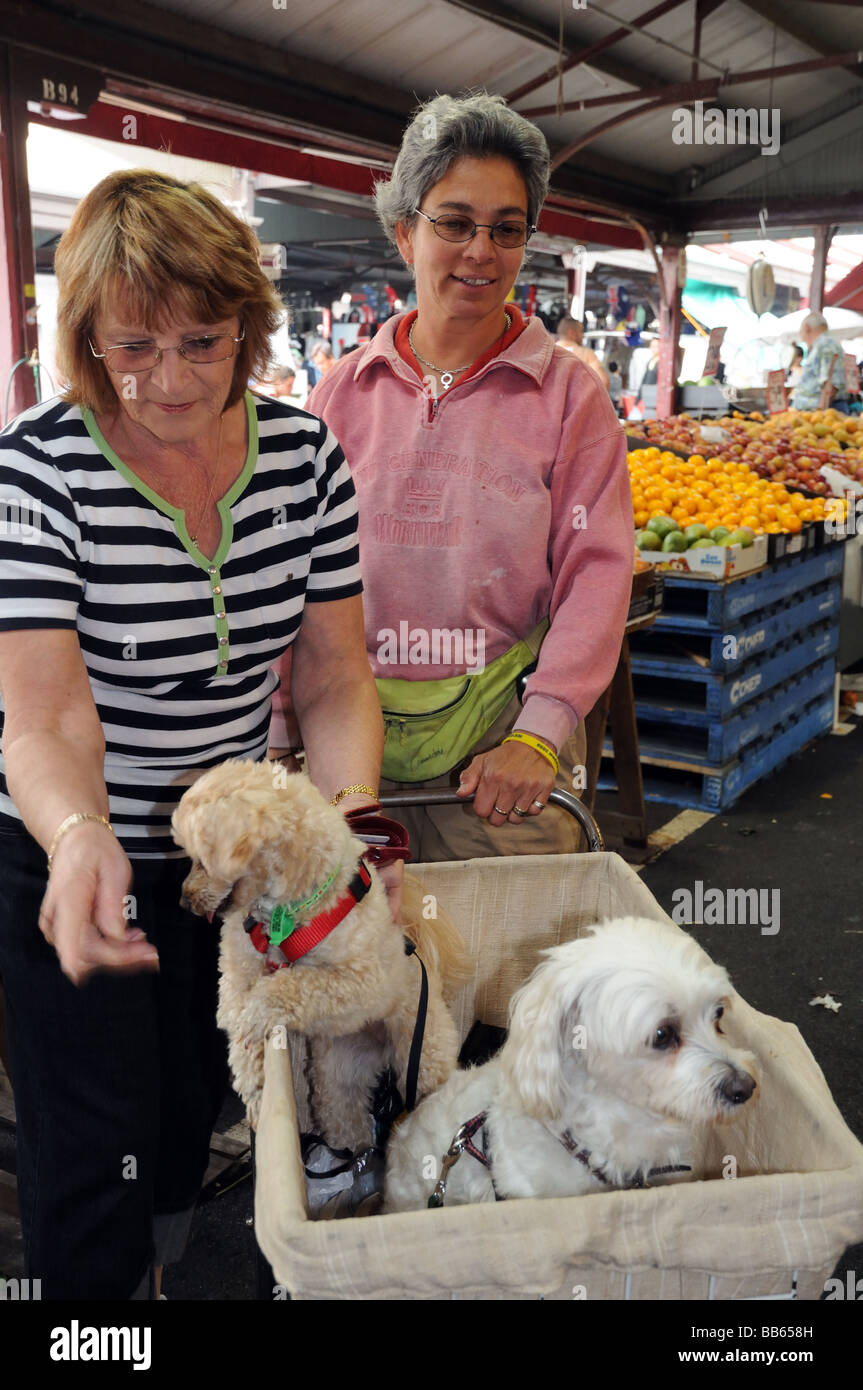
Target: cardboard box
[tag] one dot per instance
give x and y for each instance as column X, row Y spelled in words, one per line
column 711, row 562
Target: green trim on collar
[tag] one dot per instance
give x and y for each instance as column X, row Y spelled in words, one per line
column 283, row 915
column 176, row 514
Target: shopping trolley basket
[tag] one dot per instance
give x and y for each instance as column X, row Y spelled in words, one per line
column 775, row 1230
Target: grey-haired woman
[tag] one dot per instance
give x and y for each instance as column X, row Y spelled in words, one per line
column 495, row 510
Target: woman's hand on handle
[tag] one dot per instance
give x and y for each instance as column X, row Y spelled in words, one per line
column 82, row 911
column 513, row 774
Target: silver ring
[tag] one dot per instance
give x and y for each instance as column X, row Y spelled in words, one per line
column 500, row 812
column 516, row 810
column 540, row 804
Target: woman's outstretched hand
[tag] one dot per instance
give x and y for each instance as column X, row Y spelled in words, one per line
column 82, row 912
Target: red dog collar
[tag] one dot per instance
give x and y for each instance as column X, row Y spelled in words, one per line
column 305, row 939
column 386, row 841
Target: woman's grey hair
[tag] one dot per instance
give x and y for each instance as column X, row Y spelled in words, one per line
column 446, row 128
column 814, row 320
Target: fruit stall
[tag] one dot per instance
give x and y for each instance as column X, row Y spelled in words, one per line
column 789, row 448
column 738, row 671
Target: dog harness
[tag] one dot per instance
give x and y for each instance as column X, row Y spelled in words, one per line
column 463, row 1143
column 638, row 1179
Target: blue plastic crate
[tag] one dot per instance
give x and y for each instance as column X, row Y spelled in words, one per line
column 681, row 647
column 718, row 788
column 707, row 603
column 700, row 697
column 719, row 741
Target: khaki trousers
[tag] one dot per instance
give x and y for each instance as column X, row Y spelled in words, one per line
column 456, row 832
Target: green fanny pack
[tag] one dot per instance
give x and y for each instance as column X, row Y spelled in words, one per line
column 431, row 726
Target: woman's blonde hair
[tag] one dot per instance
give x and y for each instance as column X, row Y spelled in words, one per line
column 162, row 249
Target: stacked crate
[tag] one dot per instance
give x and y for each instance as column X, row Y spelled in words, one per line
column 734, row 677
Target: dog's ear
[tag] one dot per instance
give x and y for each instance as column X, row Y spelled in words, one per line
column 224, row 842
column 542, row 1023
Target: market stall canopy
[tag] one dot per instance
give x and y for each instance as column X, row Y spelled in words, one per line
column 842, row 323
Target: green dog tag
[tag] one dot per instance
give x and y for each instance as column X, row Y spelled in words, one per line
column 281, row 924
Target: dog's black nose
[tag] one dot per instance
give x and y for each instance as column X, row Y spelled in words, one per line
column 737, row 1088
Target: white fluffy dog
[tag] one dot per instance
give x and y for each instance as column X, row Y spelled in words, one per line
column 615, row 1058
column 258, row 840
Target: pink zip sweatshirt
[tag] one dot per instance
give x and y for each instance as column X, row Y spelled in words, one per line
column 505, row 500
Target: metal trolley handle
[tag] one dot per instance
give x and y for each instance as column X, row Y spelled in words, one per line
column 446, row 796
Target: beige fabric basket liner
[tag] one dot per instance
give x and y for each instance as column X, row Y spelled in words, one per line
column 796, row 1204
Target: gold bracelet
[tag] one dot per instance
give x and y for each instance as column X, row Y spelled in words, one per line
column 545, row 750
column 75, row 819
column 349, row 791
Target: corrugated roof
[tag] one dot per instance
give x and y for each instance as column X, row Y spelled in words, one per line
column 421, row 47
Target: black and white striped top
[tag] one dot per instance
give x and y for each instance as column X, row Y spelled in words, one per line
column 178, row 647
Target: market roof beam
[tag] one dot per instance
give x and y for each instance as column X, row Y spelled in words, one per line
column 151, row 55
column 767, row 9
column 811, row 133
column 725, row 214
column 547, row 37
column 685, row 92
column 118, row 34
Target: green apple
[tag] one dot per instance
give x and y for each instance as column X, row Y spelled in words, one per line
column 744, row 535
column 647, row 540
column 662, row 525
column 675, row 541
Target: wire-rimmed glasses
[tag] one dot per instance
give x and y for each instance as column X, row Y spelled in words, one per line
column 509, row 232
column 199, row 349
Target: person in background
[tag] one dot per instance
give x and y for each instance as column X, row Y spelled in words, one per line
column 570, row 335
column 323, row 359
column 495, row 510
column 651, row 371
column 822, row 379
column 795, row 371
column 279, row 383
column 615, row 385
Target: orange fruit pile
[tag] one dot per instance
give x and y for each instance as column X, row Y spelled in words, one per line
column 716, row 492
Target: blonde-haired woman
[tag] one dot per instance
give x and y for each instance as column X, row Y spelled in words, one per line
column 187, row 533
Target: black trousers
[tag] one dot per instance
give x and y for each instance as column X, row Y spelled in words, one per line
column 117, row 1082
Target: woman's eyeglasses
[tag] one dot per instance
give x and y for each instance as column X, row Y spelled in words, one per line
column 143, row 357
column 509, row 233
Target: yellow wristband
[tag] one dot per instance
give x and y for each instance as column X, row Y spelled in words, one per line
column 349, row 791
column 545, row 750
column 75, row 819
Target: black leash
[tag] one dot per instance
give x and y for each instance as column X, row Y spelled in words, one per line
column 413, row 1071
column 386, row 1103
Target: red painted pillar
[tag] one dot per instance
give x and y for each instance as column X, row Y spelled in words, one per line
column 673, row 272
column 18, row 332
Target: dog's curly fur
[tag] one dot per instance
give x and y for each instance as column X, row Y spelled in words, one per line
column 615, row 1039
column 258, row 837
